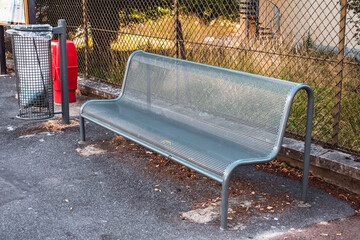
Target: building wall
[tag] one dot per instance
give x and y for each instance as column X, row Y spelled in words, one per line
column 318, row 19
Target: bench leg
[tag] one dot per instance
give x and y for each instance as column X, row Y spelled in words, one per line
column 307, row 149
column 224, row 203
column 305, row 171
column 82, row 128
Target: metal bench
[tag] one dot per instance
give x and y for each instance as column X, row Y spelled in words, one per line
column 207, row 118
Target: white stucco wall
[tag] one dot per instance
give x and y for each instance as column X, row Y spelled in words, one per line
column 319, row 18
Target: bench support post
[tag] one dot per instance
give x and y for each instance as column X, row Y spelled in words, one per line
column 225, row 202
column 82, row 128
column 310, row 107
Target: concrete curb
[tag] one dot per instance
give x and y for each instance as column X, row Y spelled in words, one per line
column 97, row 88
column 333, row 166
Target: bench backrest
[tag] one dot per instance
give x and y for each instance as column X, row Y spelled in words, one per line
column 236, row 105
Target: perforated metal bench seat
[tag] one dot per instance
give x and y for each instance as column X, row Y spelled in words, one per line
column 207, row 118
column 199, row 149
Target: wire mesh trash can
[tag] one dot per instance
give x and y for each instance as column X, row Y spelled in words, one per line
column 31, row 46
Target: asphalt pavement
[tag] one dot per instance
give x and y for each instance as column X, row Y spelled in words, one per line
column 54, row 187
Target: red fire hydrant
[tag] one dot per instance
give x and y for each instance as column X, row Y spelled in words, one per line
column 72, row 70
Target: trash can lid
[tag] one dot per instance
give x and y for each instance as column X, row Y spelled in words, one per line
column 41, row 31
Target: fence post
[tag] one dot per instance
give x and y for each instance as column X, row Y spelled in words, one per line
column 2, row 51
column 86, row 32
column 179, row 39
column 61, row 30
column 31, row 14
column 339, row 73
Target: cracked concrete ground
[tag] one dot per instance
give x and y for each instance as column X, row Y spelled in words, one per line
column 54, row 187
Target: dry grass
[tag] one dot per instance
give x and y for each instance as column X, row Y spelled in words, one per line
column 57, row 125
column 159, row 34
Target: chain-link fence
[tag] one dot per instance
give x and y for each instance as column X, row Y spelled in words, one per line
column 311, row 41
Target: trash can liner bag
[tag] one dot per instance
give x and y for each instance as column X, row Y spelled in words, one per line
column 42, row 31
